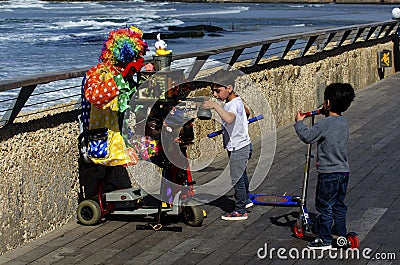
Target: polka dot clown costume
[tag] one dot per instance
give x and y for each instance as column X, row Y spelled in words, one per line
column 106, row 95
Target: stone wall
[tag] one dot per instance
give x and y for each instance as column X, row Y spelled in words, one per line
column 299, row 84
column 39, row 176
column 42, row 180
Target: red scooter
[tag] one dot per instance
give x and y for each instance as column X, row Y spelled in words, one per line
column 302, row 227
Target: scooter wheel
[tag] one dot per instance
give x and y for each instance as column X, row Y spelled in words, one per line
column 298, row 231
column 353, row 241
column 88, row 212
column 193, row 215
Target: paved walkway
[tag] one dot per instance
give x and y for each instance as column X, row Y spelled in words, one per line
column 373, row 200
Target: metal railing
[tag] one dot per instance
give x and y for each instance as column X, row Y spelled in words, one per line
column 31, row 93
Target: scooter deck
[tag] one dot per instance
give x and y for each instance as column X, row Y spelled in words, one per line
column 275, row 200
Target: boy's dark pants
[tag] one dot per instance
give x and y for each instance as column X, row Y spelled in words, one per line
column 329, row 202
column 238, row 163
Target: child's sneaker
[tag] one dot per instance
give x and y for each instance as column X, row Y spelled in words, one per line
column 233, row 216
column 248, row 205
column 319, row 244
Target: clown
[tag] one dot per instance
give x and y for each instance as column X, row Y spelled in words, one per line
column 107, row 90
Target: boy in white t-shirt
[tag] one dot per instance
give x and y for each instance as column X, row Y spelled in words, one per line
column 236, row 139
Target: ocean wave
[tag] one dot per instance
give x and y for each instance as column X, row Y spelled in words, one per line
column 146, row 9
column 17, row 38
column 39, row 38
column 22, row 4
column 61, row 31
column 156, row 3
column 286, row 26
column 296, row 6
column 153, row 24
column 241, row 8
column 54, row 38
column 146, row 21
column 93, row 24
column 63, row 7
column 233, row 10
column 304, row 5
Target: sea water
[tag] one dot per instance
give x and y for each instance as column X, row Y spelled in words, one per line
column 40, row 36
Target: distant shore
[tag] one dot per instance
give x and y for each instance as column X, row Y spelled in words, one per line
column 389, row 2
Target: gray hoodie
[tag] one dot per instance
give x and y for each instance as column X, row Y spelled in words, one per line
column 331, row 135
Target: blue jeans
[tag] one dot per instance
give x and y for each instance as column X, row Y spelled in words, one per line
column 329, row 202
column 238, row 164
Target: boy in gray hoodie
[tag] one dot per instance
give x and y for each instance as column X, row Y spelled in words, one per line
column 331, row 135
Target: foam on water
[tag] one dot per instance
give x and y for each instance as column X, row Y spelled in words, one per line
column 213, row 12
column 63, row 7
column 305, row 5
column 87, row 24
column 22, row 4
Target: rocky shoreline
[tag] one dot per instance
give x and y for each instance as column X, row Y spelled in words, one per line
column 196, row 31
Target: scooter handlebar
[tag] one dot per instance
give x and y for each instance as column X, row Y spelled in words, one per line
column 314, row 112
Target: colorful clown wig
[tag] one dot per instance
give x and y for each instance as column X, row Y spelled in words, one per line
column 123, row 46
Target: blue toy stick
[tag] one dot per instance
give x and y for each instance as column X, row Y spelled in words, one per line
column 213, row 134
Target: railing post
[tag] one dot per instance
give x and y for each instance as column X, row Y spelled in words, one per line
column 236, row 54
column 370, row 32
column 343, row 38
column 359, row 32
column 197, row 65
column 261, row 53
column 327, row 41
column 396, row 50
column 17, row 105
column 289, row 46
column 310, row 42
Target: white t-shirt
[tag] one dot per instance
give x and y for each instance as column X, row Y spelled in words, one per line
column 236, row 134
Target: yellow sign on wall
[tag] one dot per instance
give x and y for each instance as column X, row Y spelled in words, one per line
column 385, row 59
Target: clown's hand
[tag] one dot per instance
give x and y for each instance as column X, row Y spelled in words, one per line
column 133, row 67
